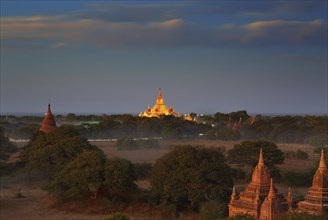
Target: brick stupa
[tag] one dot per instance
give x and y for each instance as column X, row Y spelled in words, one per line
column 251, row 200
column 48, row 123
column 316, row 201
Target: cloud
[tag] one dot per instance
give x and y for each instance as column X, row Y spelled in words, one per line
column 286, row 31
column 57, row 32
column 161, row 11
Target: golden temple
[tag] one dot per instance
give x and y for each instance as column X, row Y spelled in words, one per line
column 159, row 109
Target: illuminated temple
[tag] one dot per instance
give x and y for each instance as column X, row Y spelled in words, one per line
column 261, row 198
column 316, row 201
column 48, row 123
column 159, row 108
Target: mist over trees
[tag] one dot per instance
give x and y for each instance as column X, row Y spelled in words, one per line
column 279, row 129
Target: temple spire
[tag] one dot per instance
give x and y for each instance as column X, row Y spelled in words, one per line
column 261, row 158
column 159, row 92
column 272, row 193
column 322, row 164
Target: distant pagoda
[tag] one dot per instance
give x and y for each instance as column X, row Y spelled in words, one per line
column 159, row 108
column 316, row 201
column 48, row 123
column 260, row 193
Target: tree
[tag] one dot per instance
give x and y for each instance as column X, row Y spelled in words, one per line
column 247, row 154
column 118, row 178
column 188, row 176
column 49, row 153
column 80, row 179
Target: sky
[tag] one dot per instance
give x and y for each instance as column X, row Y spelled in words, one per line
column 266, row 57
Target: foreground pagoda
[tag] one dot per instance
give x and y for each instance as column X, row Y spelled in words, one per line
column 159, row 108
column 316, row 201
column 48, row 123
column 251, row 200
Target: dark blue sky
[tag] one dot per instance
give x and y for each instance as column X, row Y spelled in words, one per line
column 207, row 56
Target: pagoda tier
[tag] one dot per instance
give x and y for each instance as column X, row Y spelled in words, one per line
column 158, row 109
column 250, row 200
column 316, row 201
column 48, row 123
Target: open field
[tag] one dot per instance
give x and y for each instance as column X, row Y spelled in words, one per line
column 37, row 206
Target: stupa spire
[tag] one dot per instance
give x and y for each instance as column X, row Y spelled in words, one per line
column 322, row 164
column 261, row 161
column 272, row 193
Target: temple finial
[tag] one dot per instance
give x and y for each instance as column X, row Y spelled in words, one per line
column 159, row 92
column 322, row 164
column 261, row 157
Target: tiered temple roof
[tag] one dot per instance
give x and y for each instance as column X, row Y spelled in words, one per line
column 48, row 123
column 159, row 108
column 316, row 201
column 250, row 201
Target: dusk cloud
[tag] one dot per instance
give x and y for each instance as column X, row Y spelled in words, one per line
column 169, row 33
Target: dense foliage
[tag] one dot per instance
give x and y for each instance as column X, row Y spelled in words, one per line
column 188, row 176
column 288, row 129
column 119, row 179
column 81, row 178
column 50, row 153
column 247, row 154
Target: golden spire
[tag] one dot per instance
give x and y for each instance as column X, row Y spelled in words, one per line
column 261, row 158
column 322, row 164
column 159, row 92
column 272, row 193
